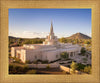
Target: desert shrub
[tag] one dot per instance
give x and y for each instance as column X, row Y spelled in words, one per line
column 87, row 69
column 48, row 66
column 31, row 72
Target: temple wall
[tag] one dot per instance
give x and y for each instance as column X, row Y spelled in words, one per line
column 23, row 55
column 13, row 52
column 52, row 55
column 46, row 53
column 33, row 55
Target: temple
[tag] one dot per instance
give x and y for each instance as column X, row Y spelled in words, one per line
column 50, row 49
column 51, row 39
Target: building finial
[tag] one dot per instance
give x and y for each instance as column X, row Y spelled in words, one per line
column 51, row 21
column 51, row 29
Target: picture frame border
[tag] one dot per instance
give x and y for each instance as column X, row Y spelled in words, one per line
column 94, row 5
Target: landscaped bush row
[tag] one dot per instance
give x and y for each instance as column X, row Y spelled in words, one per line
column 81, row 67
column 20, row 70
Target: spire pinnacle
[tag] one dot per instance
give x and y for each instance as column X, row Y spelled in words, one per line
column 51, row 29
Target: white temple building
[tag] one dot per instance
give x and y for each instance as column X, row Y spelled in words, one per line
column 50, row 49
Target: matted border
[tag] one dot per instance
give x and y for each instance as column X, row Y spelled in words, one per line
column 6, row 4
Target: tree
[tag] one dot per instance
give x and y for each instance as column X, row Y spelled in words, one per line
column 63, row 40
column 64, row 55
column 80, row 66
column 74, row 66
column 83, row 51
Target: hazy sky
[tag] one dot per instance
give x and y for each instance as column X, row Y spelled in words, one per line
column 30, row 23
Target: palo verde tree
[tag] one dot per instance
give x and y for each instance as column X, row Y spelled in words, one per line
column 73, row 66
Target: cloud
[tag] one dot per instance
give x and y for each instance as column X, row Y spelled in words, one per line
column 14, row 34
column 29, row 34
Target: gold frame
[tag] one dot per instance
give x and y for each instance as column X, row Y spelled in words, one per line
column 93, row 4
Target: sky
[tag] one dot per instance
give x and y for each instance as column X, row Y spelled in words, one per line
column 32, row 23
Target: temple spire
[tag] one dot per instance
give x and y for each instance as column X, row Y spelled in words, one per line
column 51, row 29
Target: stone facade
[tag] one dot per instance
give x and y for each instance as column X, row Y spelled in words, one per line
column 50, row 49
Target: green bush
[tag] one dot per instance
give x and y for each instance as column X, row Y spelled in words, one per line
column 13, row 69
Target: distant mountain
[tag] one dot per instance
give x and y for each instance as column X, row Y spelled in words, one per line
column 11, row 37
column 79, row 36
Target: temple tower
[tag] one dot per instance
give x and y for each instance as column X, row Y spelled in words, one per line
column 51, row 30
column 51, row 38
column 51, row 34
